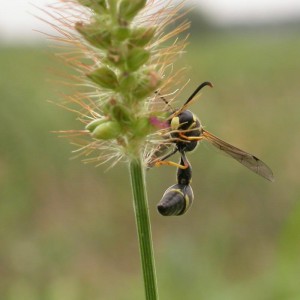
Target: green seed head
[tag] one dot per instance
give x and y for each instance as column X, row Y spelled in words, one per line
column 141, row 36
column 122, row 33
column 142, row 126
column 148, row 84
column 128, row 82
column 128, row 9
column 115, row 57
column 137, row 57
column 127, row 59
column 95, row 34
column 104, row 77
column 92, row 125
column 121, row 113
column 107, row 131
column 97, row 5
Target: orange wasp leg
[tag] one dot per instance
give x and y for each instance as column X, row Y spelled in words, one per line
column 190, row 138
column 171, row 163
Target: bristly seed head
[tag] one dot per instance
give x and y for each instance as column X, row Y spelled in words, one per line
column 115, row 46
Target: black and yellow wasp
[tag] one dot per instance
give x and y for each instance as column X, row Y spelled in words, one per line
column 185, row 131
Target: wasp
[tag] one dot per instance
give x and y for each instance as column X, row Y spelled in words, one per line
column 185, row 131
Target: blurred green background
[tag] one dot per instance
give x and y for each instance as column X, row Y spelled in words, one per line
column 67, row 230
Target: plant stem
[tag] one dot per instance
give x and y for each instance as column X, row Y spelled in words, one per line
column 143, row 228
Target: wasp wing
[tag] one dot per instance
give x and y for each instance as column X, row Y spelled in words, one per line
column 248, row 160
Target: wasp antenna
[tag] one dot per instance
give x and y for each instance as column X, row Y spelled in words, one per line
column 200, row 87
column 186, row 104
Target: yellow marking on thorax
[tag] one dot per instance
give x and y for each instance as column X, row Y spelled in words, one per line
column 175, row 123
column 194, row 124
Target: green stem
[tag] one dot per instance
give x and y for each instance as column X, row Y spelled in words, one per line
column 143, row 228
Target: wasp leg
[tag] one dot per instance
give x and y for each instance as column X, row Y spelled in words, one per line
column 171, row 163
column 190, row 138
column 161, row 161
column 167, row 156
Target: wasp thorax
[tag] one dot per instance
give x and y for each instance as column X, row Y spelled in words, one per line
column 176, row 200
column 184, row 120
column 185, row 126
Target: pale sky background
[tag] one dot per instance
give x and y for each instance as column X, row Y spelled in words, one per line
column 17, row 24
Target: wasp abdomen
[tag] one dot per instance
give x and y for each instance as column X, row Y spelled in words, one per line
column 176, row 200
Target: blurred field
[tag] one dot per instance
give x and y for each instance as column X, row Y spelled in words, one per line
column 67, row 230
